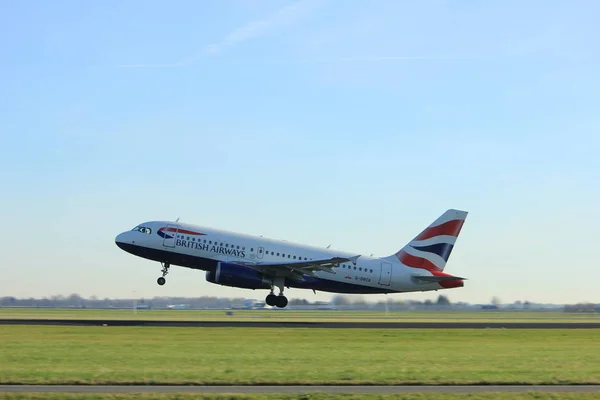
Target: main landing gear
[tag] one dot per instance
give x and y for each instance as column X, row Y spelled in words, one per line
column 280, row 301
column 165, row 270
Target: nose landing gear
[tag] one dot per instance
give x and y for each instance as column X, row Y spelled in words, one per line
column 165, row 270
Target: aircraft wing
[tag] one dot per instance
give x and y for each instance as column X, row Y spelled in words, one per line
column 295, row 269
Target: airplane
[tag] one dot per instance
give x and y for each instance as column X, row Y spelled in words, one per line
column 253, row 262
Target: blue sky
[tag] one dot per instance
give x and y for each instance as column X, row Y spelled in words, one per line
column 348, row 123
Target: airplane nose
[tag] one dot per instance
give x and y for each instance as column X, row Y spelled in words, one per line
column 121, row 240
column 127, row 242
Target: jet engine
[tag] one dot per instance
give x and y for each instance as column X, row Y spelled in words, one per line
column 237, row 276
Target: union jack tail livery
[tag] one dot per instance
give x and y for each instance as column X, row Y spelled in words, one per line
column 431, row 248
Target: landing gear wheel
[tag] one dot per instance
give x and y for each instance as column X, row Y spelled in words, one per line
column 282, row 301
column 165, row 270
column 271, row 300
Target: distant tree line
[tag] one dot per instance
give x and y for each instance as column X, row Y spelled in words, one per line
column 582, row 307
column 341, row 300
column 76, row 300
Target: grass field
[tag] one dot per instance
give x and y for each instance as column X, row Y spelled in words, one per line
column 73, row 354
column 413, row 396
column 293, row 315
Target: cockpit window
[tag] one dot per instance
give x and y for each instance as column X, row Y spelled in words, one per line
column 142, row 229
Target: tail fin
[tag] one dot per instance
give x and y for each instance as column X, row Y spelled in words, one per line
column 431, row 249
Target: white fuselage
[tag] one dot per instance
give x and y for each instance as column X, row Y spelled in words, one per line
column 202, row 248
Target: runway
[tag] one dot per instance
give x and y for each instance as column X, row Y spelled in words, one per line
column 306, row 324
column 298, row 389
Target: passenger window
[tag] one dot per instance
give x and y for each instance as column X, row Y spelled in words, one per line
column 289, row 256
column 221, row 244
column 260, row 250
column 277, row 254
column 226, row 245
column 294, row 257
column 210, row 242
column 252, row 249
column 238, row 247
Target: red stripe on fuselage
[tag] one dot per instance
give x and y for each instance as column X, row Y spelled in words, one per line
column 450, row 228
column 186, row 232
column 416, row 262
column 182, row 231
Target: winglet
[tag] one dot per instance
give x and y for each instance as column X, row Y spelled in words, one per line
column 354, row 259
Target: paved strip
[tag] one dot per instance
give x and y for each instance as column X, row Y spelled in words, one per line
column 297, row 389
column 301, row 324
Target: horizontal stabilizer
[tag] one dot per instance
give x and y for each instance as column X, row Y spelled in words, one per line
column 438, row 278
